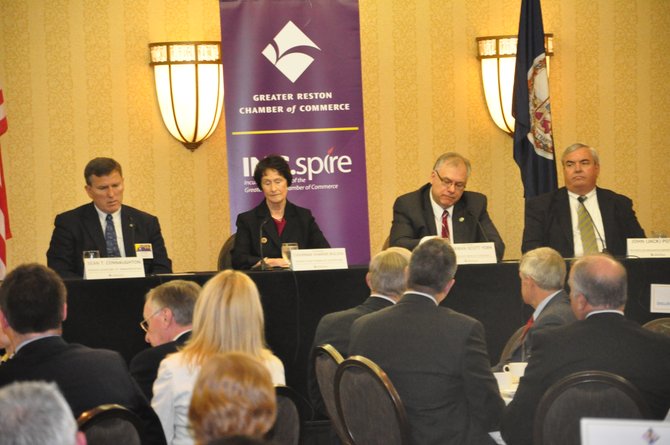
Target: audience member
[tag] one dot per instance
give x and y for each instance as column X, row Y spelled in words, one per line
column 602, row 339
column 542, row 274
column 443, row 208
column 105, row 225
column 32, row 310
column 233, row 396
column 168, row 315
column 386, row 279
column 580, row 218
column 435, row 357
column 36, row 413
column 228, row 317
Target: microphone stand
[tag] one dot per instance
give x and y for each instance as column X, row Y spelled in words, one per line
column 264, row 266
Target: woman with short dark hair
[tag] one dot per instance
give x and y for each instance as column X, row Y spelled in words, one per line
column 274, row 221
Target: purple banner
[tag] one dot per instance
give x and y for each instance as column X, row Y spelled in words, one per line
column 292, row 75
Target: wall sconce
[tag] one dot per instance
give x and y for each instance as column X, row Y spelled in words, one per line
column 189, row 86
column 498, row 57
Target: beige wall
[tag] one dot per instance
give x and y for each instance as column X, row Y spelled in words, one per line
column 77, row 85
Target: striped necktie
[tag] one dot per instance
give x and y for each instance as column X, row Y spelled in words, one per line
column 445, row 224
column 589, row 244
column 110, row 238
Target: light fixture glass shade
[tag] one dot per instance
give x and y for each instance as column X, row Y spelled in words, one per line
column 189, row 86
column 498, row 60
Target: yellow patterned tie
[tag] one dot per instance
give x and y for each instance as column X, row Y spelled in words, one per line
column 589, row 243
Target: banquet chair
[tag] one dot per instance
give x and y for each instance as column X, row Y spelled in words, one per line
column 292, row 410
column 326, row 361
column 584, row 394
column 660, row 325
column 369, row 405
column 225, row 260
column 509, row 346
column 111, row 424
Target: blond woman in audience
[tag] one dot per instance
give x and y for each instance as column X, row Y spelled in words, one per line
column 228, row 317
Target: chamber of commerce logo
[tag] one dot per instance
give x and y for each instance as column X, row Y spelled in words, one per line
column 287, row 51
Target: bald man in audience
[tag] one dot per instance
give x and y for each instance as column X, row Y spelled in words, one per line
column 387, row 282
column 168, row 315
column 601, row 339
column 542, row 274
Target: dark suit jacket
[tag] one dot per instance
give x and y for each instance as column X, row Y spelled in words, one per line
column 437, row 361
column 604, row 342
column 300, row 228
column 557, row 312
column 548, row 222
column 413, row 219
column 333, row 329
column 86, row 377
column 79, row 229
column 144, row 366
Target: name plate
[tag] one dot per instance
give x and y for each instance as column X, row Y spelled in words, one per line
column 319, row 259
column 475, row 253
column 105, row 268
column 660, row 298
column 649, row 247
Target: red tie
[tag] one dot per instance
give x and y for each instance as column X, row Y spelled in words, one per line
column 445, row 224
column 526, row 328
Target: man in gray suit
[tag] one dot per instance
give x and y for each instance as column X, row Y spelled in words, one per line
column 435, row 356
column 387, row 282
column 443, row 208
column 542, row 274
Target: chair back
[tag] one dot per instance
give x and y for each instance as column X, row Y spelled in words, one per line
column 326, row 361
column 225, row 260
column 660, row 325
column 510, row 345
column 111, row 424
column 292, row 408
column 584, row 394
column 368, row 404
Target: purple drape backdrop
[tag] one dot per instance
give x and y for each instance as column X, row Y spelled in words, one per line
column 292, row 74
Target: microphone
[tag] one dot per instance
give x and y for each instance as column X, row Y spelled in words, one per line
column 260, row 244
column 581, row 200
column 479, row 225
column 132, row 233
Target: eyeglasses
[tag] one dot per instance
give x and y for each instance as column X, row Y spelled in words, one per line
column 448, row 182
column 144, row 324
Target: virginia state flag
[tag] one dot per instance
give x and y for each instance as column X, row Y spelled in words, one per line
column 533, row 140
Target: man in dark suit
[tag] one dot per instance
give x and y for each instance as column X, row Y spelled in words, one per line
column 387, row 282
column 32, row 310
column 168, row 316
column 443, row 208
column 552, row 219
column 542, row 274
column 106, row 226
column 602, row 339
column 435, row 357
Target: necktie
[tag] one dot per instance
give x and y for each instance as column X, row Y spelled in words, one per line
column 586, row 232
column 529, row 324
column 110, row 238
column 445, row 224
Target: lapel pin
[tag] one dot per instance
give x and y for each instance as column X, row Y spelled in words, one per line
column 461, row 219
column 264, row 240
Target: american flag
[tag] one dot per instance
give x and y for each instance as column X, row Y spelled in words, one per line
column 5, row 232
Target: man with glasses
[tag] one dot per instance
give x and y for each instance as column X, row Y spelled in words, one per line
column 168, row 314
column 580, row 218
column 443, row 208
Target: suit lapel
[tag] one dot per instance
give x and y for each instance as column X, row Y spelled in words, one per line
column 269, row 229
column 606, row 214
column 427, row 209
column 128, row 228
column 563, row 216
column 460, row 222
column 92, row 226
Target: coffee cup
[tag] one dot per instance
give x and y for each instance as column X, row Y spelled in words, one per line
column 516, row 369
column 504, row 380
